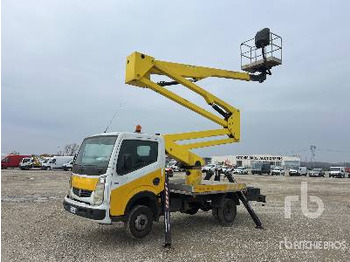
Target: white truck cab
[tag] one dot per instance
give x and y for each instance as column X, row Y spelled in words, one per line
column 110, row 170
column 337, row 171
column 26, row 163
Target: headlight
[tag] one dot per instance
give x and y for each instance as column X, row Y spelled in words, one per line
column 99, row 191
column 70, row 187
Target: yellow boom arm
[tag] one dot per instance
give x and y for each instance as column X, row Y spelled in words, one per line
column 139, row 69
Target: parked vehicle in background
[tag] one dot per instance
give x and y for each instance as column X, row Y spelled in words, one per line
column 347, row 170
column 317, row 172
column 169, row 171
column 240, row 170
column 261, row 168
column 30, row 162
column 209, row 167
column 56, row 162
column 218, row 168
column 68, row 166
column 278, row 171
column 302, row 171
column 337, row 172
column 26, row 163
column 293, row 171
column 12, row 161
column 225, row 169
column 298, row 171
column 175, row 168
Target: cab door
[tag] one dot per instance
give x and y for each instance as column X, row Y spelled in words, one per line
column 139, row 170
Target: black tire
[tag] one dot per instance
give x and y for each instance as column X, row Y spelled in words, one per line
column 214, row 212
column 227, row 212
column 192, row 211
column 48, row 168
column 205, row 208
column 139, row 222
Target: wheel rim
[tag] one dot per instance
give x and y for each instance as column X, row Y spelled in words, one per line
column 141, row 222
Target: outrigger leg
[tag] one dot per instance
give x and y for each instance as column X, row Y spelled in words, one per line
column 167, row 232
column 251, row 212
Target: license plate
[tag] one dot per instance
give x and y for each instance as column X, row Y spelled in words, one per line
column 73, row 209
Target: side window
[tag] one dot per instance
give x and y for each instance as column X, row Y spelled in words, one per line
column 135, row 154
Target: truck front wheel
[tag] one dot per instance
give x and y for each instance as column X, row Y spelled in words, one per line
column 227, row 212
column 140, row 222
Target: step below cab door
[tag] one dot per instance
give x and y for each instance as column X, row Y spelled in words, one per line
column 139, row 170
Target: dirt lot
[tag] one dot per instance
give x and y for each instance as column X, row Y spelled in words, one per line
column 35, row 227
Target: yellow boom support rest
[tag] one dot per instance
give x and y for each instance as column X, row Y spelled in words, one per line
column 139, row 69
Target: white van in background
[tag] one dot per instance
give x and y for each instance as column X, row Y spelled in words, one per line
column 56, row 162
column 302, row 171
column 337, row 171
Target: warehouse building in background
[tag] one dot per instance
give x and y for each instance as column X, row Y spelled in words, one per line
column 248, row 160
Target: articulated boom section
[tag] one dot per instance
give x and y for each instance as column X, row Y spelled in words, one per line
column 139, row 69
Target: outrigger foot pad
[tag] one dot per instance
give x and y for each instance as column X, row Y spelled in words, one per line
column 167, row 245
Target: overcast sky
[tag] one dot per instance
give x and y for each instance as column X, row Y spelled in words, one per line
column 63, row 66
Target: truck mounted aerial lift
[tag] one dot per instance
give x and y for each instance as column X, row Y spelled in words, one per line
column 120, row 176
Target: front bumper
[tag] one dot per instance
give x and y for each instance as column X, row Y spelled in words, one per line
column 315, row 175
column 95, row 214
column 276, row 173
column 336, row 175
column 84, row 210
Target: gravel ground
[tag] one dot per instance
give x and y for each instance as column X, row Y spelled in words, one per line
column 35, row 227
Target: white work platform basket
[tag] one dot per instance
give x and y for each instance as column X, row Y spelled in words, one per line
column 261, row 56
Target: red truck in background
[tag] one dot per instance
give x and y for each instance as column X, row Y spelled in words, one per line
column 12, row 161
column 347, row 170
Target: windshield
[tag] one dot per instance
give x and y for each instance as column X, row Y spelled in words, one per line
column 94, row 155
column 25, row 160
column 335, row 168
column 317, row 169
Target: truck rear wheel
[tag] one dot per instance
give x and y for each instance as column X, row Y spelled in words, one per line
column 227, row 212
column 214, row 212
column 140, row 222
column 192, row 211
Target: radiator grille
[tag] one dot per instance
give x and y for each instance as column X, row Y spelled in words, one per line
column 81, row 192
